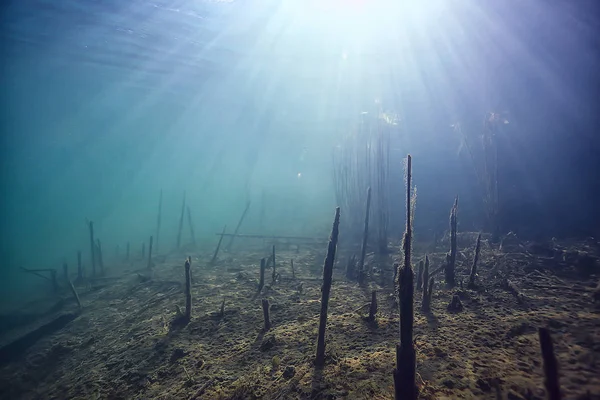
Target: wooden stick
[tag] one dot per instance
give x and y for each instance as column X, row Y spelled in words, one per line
column 100, row 257
column 150, row 253
column 272, row 237
column 474, row 266
column 449, row 273
column 36, row 272
column 158, row 219
column 191, row 224
column 188, row 289
column 75, row 294
column 405, row 372
column 79, row 267
column 214, row 259
column 237, row 228
column 93, row 248
column 363, row 250
column 326, row 289
column 293, row 272
column 263, row 266
column 373, row 306
column 274, row 274
column 265, row 307
column 181, row 222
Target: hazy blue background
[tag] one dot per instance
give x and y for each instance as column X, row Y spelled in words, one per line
column 104, row 103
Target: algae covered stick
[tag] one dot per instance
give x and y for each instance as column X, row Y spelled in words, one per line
column 93, row 248
column 127, row 253
column 326, row 289
column 405, row 372
column 157, row 219
column 363, row 250
column 181, row 222
column 214, row 259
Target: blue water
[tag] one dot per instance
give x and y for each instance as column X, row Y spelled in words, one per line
column 105, row 103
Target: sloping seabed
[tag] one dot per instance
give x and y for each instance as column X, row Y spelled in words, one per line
column 123, row 344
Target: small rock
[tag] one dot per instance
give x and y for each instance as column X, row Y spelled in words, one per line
column 289, row 372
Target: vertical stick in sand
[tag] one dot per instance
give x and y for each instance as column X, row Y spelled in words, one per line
column 237, row 228
column 188, row 289
column 326, row 289
column 405, row 372
column 158, row 219
column 214, row 259
column 363, row 250
column 79, row 267
column 100, row 261
column 189, row 213
column 93, row 248
column 150, row 254
column 181, row 222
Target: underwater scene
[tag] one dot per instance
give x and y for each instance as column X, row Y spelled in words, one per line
column 334, row 199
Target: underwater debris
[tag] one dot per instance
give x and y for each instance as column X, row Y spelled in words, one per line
column 326, row 288
column 216, row 254
column 79, row 267
column 405, row 372
column 191, row 224
column 263, row 266
column 420, row 276
column 449, row 271
column 363, row 250
column 237, row 228
column 92, row 247
column 265, row 308
column 473, row 273
column 180, row 229
column 99, row 255
column 158, row 221
column 149, row 266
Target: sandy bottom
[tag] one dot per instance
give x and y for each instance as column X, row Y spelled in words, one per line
column 123, row 344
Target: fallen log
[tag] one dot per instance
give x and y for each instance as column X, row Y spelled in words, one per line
column 251, row 236
column 14, row 350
